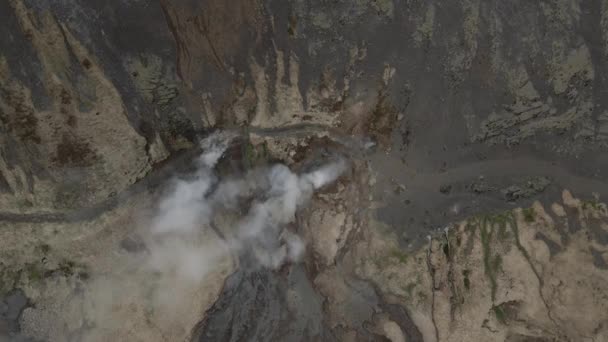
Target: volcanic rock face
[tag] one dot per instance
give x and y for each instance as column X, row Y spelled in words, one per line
column 66, row 136
column 460, row 124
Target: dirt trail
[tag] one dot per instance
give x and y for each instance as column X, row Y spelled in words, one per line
column 178, row 163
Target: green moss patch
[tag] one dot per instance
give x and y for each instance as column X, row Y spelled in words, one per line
column 529, row 214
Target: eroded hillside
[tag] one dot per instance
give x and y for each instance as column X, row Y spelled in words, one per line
column 457, row 126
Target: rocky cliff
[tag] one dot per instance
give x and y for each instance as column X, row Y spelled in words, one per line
column 463, row 123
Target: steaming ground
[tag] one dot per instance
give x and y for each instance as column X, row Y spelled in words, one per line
column 271, row 196
column 178, row 250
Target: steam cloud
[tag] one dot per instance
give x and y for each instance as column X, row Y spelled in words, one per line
column 274, row 194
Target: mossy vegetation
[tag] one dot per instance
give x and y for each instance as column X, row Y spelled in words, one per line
column 66, row 267
column 34, row 272
column 248, row 155
column 592, row 204
column 399, row 255
column 394, row 256
column 24, row 203
column 492, row 227
column 529, row 214
column 500, row 314
column 254, row 155
column 486, row 233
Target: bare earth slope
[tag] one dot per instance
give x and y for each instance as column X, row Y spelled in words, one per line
column 463, row 123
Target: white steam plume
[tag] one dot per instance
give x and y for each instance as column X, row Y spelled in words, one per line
column 274, row 194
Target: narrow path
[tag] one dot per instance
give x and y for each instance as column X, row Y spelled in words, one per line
column 168, row 168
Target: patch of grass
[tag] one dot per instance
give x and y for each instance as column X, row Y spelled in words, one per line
column 387, row 259
column 499, row 313
column 529, row 214
column 489, row 222
column 254, row 155
column 248, row 155
column 486, row 233
column 592, row 204
column 33, row 272
column 492, row 262
column 379, row 261
column 399, row 255
column 24, row 203
column 66, row 267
